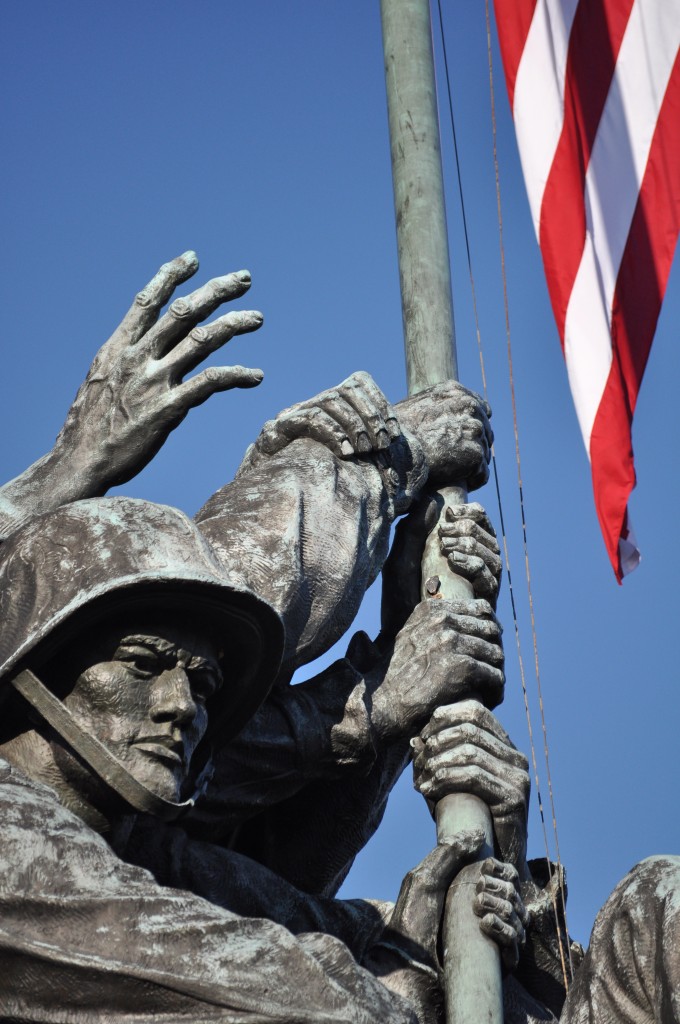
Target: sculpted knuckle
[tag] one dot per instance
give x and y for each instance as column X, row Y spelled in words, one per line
column 199, row 334
column 513, row 879
column 469, row 665
column 470, row 732
column 179, row 309
column 446, row 641
column 506, row 910
column 468, row 754
column 469, row 710
column 468, row 774
column 433, row 744
column 490, row 922
column 477, row 565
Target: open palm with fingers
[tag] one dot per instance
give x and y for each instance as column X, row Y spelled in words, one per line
column 136, row 391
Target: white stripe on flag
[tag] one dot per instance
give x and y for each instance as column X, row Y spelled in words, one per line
column 613, row 180
column 538, row 107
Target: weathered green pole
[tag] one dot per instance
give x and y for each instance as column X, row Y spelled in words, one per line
column 472, row 970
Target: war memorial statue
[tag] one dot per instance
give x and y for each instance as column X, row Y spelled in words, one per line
column 176, row 818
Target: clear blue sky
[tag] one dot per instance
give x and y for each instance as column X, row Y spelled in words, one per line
column 256, row 134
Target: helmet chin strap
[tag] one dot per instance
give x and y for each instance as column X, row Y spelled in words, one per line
column 93, row 752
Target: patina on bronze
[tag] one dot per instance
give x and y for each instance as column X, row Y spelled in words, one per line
column 171, row 644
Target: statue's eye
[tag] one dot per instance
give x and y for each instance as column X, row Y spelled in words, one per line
column 205, row 682
column 141, row 664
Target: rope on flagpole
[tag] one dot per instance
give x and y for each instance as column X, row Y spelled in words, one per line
column 560, row 873
column 539, row 689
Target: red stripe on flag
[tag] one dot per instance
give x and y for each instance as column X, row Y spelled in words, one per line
column 647, row 258
column 640, row 287
column 611, row 456
column 513, row 20
column 594, row 44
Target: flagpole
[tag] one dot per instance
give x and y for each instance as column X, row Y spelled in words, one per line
column 472, row 971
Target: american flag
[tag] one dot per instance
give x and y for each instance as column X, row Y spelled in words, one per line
column 594, row 87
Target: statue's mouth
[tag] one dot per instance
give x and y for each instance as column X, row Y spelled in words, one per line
column 163, row 747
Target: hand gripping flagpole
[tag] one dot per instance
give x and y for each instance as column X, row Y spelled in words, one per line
column 472, row 970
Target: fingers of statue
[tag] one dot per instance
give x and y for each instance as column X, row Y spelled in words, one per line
column 203, row 341
column 150, row 300
column 437, row 870
column 304, row 420
column 133, row 395
column 417, row 912
column 198, row 389
column 466, row 629
column 468, row 541
column 447, row 651
column 476, row 437
column 380, row 424
column 464, row 749
column 329, row 419
column 464, row 745
column 499, row 906
column 178, row 342
column 476, row 427
column 355, row 438
column 470, row 768
column 353, row 419
column 469, row 721
column 468, row 724
column 452, row 425
column 184, row 313
column 455, row 396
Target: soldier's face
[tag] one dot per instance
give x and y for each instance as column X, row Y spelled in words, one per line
column 144, row 696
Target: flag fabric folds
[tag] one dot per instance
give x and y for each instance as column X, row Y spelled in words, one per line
column 594, row 87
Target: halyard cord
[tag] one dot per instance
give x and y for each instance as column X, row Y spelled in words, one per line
column 560, row 873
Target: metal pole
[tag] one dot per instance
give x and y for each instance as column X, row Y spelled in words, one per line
column 472, row 970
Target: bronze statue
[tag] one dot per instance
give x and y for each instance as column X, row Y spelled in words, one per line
column 126, row 623
column 176, row 817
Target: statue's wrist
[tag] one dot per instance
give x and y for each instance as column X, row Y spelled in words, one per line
column 56, row 479
column 28, row 495
column 72, row 473
column 417, row 456
column 381, row 714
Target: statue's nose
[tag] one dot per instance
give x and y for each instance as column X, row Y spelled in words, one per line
column 174, row 699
